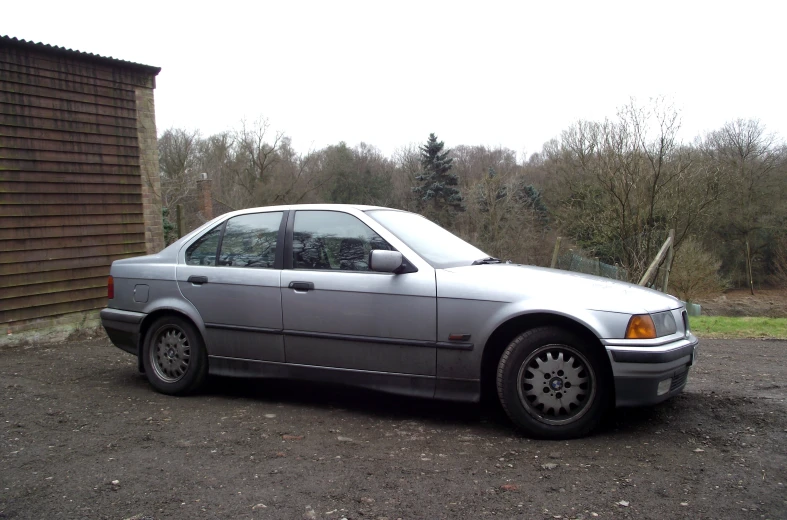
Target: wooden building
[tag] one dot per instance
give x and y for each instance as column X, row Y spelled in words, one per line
column 79, row 181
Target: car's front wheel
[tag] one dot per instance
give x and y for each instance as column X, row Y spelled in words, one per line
column 174, row 356
column 552, row 383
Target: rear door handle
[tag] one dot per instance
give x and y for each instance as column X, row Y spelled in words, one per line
column 301, row 286
column 198, row 280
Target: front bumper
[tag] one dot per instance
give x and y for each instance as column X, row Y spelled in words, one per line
column 123, row 328
column 650, row 375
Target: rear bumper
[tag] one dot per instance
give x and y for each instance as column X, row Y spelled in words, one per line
column 648, row 375
column 122, row 328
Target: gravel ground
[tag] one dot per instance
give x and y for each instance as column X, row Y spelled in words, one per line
column 83, row 436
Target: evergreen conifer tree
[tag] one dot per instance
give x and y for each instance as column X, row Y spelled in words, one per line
column 440, row 198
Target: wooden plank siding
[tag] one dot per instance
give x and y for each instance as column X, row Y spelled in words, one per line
column 71, row 194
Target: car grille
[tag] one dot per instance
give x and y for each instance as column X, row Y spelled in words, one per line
column 685, row 321
column 679, row 380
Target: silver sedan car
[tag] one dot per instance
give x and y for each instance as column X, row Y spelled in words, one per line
column 386, row 299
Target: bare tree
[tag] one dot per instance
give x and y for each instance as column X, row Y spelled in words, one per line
column 296, row 177
column 752, row 211
column 472, row 163
column 407, row 164
column 620, row 185
column 257, row 151
column 178, row 152
column 217, row 158
column 695, row 272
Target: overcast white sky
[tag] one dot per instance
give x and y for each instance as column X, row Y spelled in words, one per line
column 388, row 73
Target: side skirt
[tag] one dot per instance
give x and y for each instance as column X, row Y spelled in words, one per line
column 401, row 384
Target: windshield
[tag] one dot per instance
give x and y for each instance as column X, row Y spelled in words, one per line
column 432, row 243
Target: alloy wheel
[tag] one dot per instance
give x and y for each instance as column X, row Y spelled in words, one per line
column 556, row 384
column 170, row 353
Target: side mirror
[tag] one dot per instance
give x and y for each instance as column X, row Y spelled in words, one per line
column 384, row 261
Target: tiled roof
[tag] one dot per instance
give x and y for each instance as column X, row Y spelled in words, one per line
column 62, row 51
column 220, row 208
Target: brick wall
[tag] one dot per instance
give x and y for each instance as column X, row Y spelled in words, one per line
column 205, row 199
column 149, row 170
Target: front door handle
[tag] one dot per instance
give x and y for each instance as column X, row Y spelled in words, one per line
column 198, row 280
column 301, row 286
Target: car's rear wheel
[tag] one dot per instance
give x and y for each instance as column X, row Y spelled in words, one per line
column 552, row 383
column 174, row 356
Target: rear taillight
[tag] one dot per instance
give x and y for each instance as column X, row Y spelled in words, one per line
column 110, row 287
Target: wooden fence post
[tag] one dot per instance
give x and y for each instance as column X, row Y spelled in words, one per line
column 651, row 272
column 181, row 226
column 555, row 253
column 668, row 263
column 748, row 268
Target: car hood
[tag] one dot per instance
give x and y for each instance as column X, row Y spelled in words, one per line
column 511, row 282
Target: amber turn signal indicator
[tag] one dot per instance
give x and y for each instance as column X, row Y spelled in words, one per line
column 641, row 327
column 110, row 287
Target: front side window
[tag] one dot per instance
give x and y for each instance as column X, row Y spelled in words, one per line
column 332, row 240
column 203, row 251
column 250, row 240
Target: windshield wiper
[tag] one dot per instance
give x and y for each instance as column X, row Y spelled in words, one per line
column 487, row 260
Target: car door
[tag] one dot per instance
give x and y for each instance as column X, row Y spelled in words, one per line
column 339, row 314
column 231, row 274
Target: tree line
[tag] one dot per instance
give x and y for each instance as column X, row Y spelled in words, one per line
column 612, row 189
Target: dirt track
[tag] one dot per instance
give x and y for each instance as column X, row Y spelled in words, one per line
column 77, row 416
column 740, row 302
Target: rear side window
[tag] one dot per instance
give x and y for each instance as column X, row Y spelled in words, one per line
column 250, row 240
column 203, row 251
column 333, row 240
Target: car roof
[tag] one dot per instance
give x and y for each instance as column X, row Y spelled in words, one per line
column 245, row 211
column 284, row 207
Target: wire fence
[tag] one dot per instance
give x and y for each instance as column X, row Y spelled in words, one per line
column 571, row 261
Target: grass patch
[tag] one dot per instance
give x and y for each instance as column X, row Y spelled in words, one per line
column 726, row 327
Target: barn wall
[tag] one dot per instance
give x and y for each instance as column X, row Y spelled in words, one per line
column 77, row 140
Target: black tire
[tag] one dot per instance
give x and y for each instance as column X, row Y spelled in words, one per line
column 174, row 356
column 553, row 407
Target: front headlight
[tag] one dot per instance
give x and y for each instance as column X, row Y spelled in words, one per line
column 665, row 323
column 651, row 326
